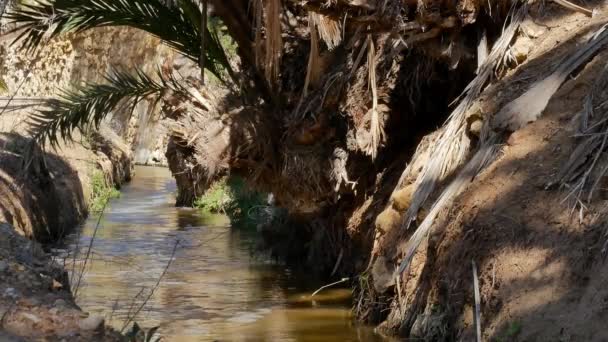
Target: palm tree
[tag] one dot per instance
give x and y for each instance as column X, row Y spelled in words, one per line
column 175, row 23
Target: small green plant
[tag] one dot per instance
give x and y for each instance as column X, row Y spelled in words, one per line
column 232, row 197
column 513, row 330
column 3, row 86
column 510, row 333
column 101, row 192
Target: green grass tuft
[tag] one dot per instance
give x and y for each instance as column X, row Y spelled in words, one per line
column 232, row 197
column 101, row 192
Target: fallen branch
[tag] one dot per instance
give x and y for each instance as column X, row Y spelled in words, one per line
column 477, row 315
column 329, row 285
column 574, row 7
column 132, row 317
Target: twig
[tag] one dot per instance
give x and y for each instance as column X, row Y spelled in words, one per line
column 477, row 314
column 329, row 285
column 86, row 259
column 5, row 314
column 130, row 319
column 337, row 262
column 399, row 304
column 574, row 7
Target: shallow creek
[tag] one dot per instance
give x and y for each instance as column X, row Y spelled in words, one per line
column 215, row 288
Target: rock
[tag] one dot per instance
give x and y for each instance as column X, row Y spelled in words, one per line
column 31, row 317
column 56, row 286
column 92, row 323
column 3, row 266
column 60, row 303
column 10, row 293
column 382, row 273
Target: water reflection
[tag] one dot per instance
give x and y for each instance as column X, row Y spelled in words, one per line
column 214, row 289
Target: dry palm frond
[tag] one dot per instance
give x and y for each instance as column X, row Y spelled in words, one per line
column 452, row 147
column 477, row 316
column 574, row 7
column 330, row 29
column 274, row 41
column 313, row 70
column 376, row 127
column 529, row 106
column 484, row 156
column 586, row 168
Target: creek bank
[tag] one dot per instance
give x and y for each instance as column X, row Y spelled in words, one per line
column 61, row 184
column 35, row 299
column 44, row 202
column 540, row 267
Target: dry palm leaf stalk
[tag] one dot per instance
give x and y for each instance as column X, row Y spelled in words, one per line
column 529, row 106
column 574, row 7
column 376, row 127
column 330, row 29
column 451, row 149
column 584, row 170
column 267, row 13
column 489, row 140
column 484, row 156
column 313, row 69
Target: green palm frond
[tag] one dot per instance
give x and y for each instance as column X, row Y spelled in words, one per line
column 176, row 23
column 3, row 86
column 89, row 104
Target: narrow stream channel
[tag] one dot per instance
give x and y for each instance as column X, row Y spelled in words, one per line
column 215, row 288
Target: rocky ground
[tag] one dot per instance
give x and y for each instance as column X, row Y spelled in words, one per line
column 35, row 299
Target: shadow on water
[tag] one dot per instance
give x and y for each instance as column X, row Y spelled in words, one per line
column 216, row 287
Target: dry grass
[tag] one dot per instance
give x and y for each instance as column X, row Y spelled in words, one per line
column 587, row 165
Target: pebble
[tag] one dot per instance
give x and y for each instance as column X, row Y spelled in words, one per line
column 59, row 303
column 10, row 292
column 31, row 317
column 93, row 322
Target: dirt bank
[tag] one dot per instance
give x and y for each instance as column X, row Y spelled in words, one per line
column 45, row 198
column 538, row 255
column 35, row 299
column 42, row 201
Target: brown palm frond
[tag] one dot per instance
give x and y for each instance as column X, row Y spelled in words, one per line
column 313, row 70
column 587, row 166
column 330, row 29
column 376, row 127
column 268, row 42
column 529, row 106
column 452, row 147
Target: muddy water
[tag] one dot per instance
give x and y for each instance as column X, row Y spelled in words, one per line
column 215, row 288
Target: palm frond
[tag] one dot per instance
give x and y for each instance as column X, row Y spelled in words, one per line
column 90, row 103
column 177, row 24
column 3, row 86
